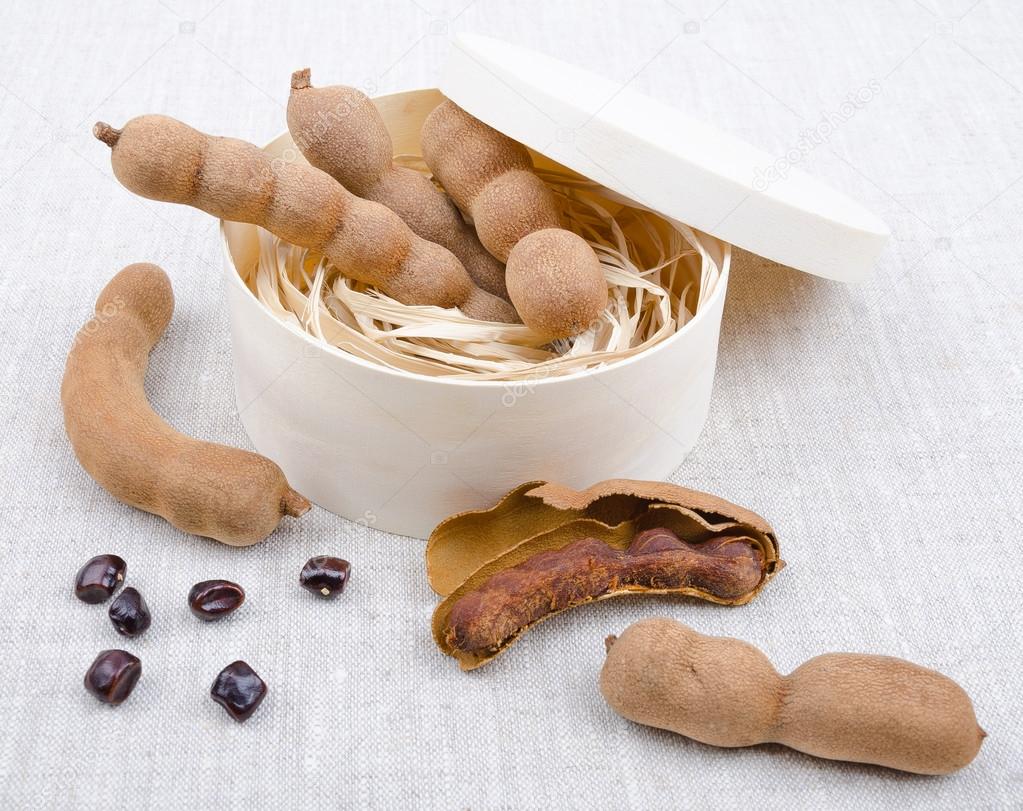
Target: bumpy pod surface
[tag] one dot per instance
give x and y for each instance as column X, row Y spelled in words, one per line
column 554, row 280
column 225, row 493
column 340, row 131
column 840, row 706
column 163, row 159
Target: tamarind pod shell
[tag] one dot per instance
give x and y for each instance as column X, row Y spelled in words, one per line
column 462, row 543
column 235, row 496
column 466, row 550
column 861, row 708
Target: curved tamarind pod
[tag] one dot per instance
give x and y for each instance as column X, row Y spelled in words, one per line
column 229, row 494
column 554, row 278
column 340, row 131
column 163, row 159
column 840, row 706
column 481, row 619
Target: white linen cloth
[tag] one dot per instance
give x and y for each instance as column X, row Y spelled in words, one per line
column 877, row 426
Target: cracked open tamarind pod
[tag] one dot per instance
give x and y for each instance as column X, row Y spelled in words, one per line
column 539, row 516
column 841, row 706
column 340, row 131
column 544, row 548
column 476, row 624
column 163, row 159
column 553, row 276
column 229, row 494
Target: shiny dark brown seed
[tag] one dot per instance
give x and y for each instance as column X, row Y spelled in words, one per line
column 213, row 599
column 325, row 576
column 129, row 613
column 99, row 578
column 239, row 690
column 113, row 676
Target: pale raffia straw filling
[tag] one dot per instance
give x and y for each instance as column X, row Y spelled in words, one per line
column 657, row 273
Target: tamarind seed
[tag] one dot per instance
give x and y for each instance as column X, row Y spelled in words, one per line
column 99, row 578
column 113, row 675
column 325, row 576
column 213, row 599
column 239, row 690
column 129, row 613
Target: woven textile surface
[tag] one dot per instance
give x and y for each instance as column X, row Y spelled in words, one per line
column 877, row 426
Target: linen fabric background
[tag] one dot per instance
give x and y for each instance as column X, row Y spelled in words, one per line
column 877, row 426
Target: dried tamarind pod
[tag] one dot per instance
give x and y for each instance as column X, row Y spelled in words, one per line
column 340, row 131
column 489, row 176
column 480, row 620
column 839, row 706
column 229, row 494
column 539, row 516
column 163, row 159
column 553, row 276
